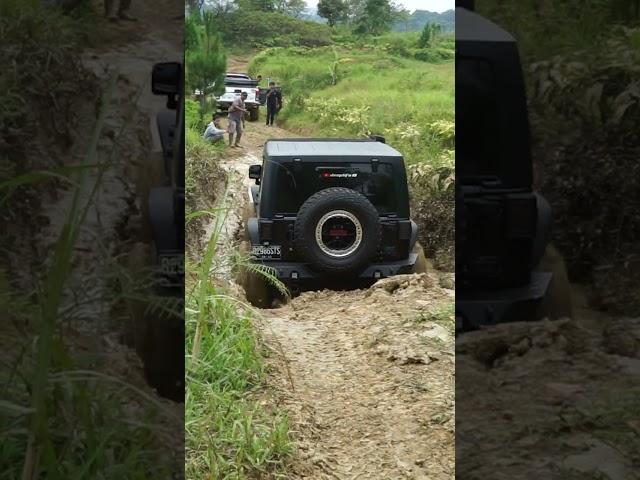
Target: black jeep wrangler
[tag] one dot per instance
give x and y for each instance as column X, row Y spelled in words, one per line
column 506, row 269
column 330, row 210
column 162, row 349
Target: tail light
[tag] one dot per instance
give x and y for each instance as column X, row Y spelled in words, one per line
column 521, row 216
column 404, row 230
column 265, row 230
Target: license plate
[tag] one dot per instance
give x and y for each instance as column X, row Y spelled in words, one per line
column 171, row 270
column 273, row 252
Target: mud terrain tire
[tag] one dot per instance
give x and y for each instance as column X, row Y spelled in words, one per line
column 337, row 231
column 422, row 264
column 557, row 301
column 258, row 291
column 248, row 211
column 152, row 332
column 254, row 115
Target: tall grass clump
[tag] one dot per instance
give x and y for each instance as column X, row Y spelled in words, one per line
column 229, row 433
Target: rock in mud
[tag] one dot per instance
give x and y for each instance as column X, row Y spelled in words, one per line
column 400, row 282
column 622, row 337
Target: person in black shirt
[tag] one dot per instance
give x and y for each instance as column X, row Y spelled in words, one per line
column 274, row 103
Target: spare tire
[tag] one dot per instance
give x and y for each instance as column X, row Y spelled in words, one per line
column 337, row 231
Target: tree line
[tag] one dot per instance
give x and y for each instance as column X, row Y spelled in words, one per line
column 360, row 16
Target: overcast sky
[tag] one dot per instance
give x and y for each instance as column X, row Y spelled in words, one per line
column 411, row 5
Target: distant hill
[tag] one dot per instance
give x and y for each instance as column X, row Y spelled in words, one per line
column 419, row 18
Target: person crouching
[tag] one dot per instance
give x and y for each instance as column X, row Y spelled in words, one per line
column 214, row 133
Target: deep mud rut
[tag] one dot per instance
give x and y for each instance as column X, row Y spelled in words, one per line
column 366, row 376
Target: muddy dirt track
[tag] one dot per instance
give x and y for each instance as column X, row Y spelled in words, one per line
column 127, row 144
column 554, row 400
column 367, row 376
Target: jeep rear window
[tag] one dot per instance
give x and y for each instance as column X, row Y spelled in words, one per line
column 476, row 118
column 295, row 183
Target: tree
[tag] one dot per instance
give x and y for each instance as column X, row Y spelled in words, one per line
column 219, row 8
column 293, row 8
column 355, row 10
column 377, row 17
column 425, row 37
column 194, row 6
column 403, row 16
column 262, row 5
column 429, row 33
column 333, row 10
column 192, row 27
column 206, row 62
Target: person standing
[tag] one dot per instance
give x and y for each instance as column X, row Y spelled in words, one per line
column 236, row 116
column 274, row 103
column 118, row 10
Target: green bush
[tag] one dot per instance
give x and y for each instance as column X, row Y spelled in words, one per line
column 192, row 115
column 433, row 55
column 592, row 180
column 433, row 208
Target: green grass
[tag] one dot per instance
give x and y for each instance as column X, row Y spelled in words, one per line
column 441, row 314
column 229, row 433
column 408, row 101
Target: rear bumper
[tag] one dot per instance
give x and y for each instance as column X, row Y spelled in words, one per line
column 482, row 308
column 289, row 272
column 223, row 105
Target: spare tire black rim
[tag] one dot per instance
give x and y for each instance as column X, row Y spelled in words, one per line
column 338, row 233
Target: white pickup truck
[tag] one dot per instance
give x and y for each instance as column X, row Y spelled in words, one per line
column 234, row 85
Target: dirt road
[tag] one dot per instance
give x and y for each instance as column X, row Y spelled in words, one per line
column 367, row 376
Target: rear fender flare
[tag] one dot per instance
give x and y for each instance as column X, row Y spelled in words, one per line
column 162, row 218
column 414, row 235
column 543, row 229
column 252, row 231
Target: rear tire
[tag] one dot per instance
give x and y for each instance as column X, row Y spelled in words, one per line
column 154, row 334
column 248, row 211
column 254, row 115
column 557, row 301
column 258, row 290
column 422, row 264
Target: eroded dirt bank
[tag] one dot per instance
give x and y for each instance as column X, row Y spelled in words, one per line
column 367, row 376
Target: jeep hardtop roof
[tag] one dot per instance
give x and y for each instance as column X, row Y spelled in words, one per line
column 473, row 27
column 311, row 148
